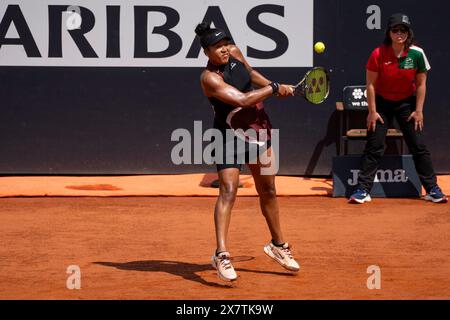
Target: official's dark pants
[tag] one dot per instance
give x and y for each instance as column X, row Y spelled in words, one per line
column 375, row 146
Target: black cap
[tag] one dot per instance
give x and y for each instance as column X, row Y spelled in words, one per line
column 397, row 19
column 212, row 37
column 209, row 36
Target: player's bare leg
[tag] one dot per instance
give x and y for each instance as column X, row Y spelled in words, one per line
column 265, row 186
column 221, row 260
column 229, row 181
column 277, row 249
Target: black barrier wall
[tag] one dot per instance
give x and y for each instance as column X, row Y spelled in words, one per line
column 119, row 120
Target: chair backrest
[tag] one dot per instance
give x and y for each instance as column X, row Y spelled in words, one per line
column 355, row 98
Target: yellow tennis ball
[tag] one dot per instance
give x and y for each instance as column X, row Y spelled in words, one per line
column 319, row 47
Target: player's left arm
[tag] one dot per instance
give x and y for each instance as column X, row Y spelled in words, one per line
column 257, row 78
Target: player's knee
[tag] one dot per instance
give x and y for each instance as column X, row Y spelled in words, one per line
column 267, row 191
column 228, row 192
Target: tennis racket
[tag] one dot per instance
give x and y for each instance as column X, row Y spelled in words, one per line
column 315, row 86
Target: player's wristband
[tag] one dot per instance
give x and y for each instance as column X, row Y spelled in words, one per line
column 275, row 87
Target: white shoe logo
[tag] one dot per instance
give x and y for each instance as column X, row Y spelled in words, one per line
column 277, row 254
column 217, row 34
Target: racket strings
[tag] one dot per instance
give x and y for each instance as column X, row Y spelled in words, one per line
column 317, row 86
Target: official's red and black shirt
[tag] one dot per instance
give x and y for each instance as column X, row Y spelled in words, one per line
column 396, row 76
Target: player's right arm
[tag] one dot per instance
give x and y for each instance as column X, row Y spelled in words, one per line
column 373, row 116
column 214, row 86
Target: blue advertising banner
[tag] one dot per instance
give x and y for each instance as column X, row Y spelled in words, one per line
column 396, row 177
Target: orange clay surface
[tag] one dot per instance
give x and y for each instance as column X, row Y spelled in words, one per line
column 160, row 248
column 159, row 185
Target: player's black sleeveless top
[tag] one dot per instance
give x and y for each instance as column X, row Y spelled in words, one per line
column 236, row 74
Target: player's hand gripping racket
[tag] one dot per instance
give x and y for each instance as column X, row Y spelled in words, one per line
column 315, row 86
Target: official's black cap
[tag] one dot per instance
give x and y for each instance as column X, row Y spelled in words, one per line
column 397, row 19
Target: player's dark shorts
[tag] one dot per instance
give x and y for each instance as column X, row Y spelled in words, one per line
column 242, row 152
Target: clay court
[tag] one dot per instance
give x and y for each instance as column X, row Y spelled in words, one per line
column 152, row 247
column 106, row 111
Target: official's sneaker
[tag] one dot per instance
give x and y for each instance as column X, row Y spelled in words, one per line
column 360, row 196
column 223, row 266
column 436, row 195
column 282, row 255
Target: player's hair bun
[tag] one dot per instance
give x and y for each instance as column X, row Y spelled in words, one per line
column 202, row 28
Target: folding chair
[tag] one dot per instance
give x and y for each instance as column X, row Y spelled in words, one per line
column 355, row 100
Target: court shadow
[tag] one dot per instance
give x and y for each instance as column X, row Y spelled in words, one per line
column 331, row 137
column 185, row 270
column 328, row 189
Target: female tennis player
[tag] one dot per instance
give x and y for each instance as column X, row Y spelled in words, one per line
column 396, row 87
column 228, row 82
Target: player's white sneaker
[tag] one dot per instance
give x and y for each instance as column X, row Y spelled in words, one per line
column 282, row 255
column 223, row 265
